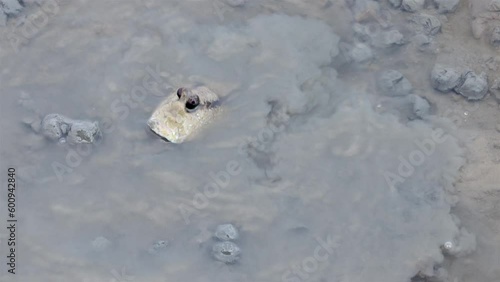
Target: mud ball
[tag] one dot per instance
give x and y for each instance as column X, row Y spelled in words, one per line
column 430, row 25
column 360, row 53
column 54, row 126
column 494, row 6
column 226, row 232
column 364, row 10
column 445, row 79
column 474, row 86
column 495, row 88
column 393, row 38
column 424, row 43
column 363, row 32
column 495, row 37
column 412, row 5
column 395, row 3
column 446, row 6
column 227, row 252
column 393, row 83
column 83, row 132
column 11, row 7
column 421, row 107
column 58, row 127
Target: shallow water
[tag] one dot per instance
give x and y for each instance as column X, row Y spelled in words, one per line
column 323, row 183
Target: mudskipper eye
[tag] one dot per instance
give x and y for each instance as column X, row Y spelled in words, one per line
column 179, row 92
column 192, row 102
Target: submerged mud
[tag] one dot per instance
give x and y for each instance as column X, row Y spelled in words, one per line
column 326, row 176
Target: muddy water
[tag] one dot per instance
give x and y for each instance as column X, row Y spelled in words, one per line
column 326, row 179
